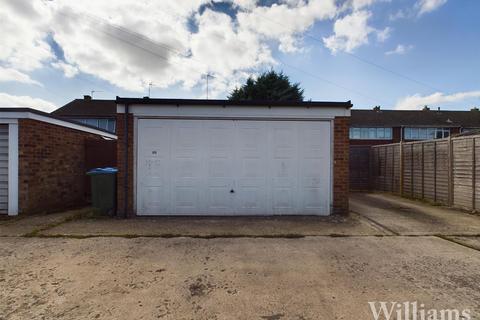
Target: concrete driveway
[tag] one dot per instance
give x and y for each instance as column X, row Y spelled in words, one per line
column 71, row 267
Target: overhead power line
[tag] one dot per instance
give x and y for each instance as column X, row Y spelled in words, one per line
column 363, row 60
column 361, row 94
column 177, row 52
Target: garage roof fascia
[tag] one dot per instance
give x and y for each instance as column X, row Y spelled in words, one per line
column 11, row 114
column 226, row 103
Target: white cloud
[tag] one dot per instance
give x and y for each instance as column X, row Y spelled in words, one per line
column 68, row 70
column 137, row 42
column 400, row 14
column 420, row 7
column 425, row 6
column 23, row 26
column 10, row 74
column 350, row 32
column 360, row 4
column 399, row 50
column 383, row 35
column 11, row 101
column 416, row 101
column 283, row 22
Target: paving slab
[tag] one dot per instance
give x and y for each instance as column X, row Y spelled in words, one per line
column 409, row 217
column 237, row 278
column 25, row 225
column 297, row 226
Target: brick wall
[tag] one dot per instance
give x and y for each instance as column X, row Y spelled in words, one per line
column 51, row 167
column 341, row 165
column 121, row 166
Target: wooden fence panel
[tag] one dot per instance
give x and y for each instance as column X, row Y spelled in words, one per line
column 441, row 195
column 462, row 173
column 445, row 171
column 477, row 175
column 417, row 171
column 359, row 168
column 396, row 168
column 408, row 170
column 429, row 171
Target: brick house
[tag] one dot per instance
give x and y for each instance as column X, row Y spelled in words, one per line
column 377, row 126
column 42, row 161
column 97, row 113
column 219, row 157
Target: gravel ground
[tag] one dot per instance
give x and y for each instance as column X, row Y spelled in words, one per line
column 234, row 278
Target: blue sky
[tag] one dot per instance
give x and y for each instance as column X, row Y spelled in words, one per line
column 398, row 54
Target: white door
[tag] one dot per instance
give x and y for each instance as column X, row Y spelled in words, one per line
column 233, row 167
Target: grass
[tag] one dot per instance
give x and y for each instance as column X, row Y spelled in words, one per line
column 81, row 214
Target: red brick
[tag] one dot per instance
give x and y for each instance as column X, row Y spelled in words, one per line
column 341, row 165
column 51, row 167
column 129, row 212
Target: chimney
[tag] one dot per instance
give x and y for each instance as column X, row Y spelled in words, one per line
column 87, row 97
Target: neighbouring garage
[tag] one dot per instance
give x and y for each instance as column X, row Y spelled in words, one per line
column 42, row 161
column 217, row 157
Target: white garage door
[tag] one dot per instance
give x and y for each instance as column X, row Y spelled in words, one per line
column 233, row 167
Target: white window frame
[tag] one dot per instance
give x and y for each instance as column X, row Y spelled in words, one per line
column 423, row 133
column 365, row 133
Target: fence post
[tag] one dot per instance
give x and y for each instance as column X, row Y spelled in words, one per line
column 450, row 171
column 401, row 168
column 434, row 171
column 474, row 178
column 412, row 184
column 392, row 185
column 423, row 170
column 385, row 153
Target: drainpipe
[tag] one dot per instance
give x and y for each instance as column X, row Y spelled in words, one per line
column 125, row 200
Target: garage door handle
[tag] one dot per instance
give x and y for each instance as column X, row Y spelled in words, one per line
column 232, row 191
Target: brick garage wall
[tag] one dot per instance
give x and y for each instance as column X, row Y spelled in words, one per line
column 122, row 165
column 341, row 165
column 51, row 167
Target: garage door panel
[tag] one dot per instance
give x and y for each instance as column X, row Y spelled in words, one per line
column 155, row 200
column 226, row 167
column 251, row 195
column 152, row 145
column 186, row 199
column 283, row 201
column 313, row 201
column 251, row 154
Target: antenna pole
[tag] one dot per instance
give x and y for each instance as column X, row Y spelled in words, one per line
column 208, row 76
column 149, row 88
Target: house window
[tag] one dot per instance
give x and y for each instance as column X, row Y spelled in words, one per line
column 371, row 133
column 426, row 133
column 467, row 130
column 103, row 123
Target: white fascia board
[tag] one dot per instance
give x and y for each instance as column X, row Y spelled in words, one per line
column 235, row 111
column 13, row 169
column 5, row 117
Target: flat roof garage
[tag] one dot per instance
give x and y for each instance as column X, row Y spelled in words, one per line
column 217, row 157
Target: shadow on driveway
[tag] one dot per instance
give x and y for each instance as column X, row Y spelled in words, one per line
column 408, row 217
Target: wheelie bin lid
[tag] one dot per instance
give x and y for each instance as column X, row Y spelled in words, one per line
column 102, row 171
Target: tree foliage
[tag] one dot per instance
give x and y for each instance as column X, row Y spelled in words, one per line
column 268, row 86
